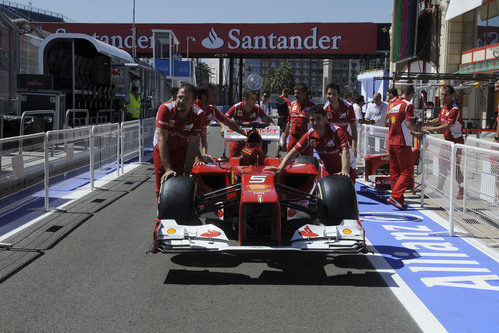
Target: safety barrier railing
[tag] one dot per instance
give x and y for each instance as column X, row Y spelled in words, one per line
column 130, row 141
column 374, row 140
column 66, row 152
column 371, row 140
column 479, row 207
column 21, row 167
column 463, row 180
column 33, row 113
column 77, row 121
column 480, row 143
column 52, row 157
column 104, row 149
column 104, row 116
column 147, row 133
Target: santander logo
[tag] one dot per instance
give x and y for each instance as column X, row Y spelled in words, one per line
column 212, row 41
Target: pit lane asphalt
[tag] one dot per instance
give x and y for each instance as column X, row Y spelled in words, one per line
column 98, row 278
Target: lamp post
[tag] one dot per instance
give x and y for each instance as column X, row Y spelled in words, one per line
column 193, row 39
column 134, row 34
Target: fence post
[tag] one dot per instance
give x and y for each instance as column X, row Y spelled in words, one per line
column 118, row 136
column 364, row 126
column 422, row 158
column 121, row 147
column 465, row 178
column 451, row 189
column 92, row 157
column 46, row 175
column 140, row 141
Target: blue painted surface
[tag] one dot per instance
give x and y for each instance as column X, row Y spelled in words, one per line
column 458, row 308
column 28, row 204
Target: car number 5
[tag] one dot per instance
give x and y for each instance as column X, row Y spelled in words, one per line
column 257, row 179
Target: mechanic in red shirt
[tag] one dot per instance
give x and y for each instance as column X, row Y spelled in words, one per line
column 450, row 122
column 245, row 111
column 297, row 124
column 340, row 112
column 401, row 126
column 283, row 105
column 284, row 96
column 328, row 140
column 179, row 127
column 392, row 95
column 207, row 96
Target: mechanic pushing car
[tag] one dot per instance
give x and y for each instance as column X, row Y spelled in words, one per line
column 179, row 127
column 341, row 113
column 207, row 96
column 245, row 111
column 298, row 124
column 328, row 140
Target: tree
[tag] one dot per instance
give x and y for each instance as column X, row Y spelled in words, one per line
column 279, row 78
column 203, row 73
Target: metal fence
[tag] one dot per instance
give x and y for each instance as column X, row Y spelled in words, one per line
column 461, row 179
column 21, row 159
column 464, row 180
column 80, row 154
column 130, row 134
column 374, row 140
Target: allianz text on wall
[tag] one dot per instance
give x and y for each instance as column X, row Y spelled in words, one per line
column 243, row 39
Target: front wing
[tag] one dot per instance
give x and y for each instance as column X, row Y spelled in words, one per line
column 170, row 237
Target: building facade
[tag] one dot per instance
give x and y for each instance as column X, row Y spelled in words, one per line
column 451, row 39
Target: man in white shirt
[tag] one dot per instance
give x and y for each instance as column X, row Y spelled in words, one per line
column 357, row 107
column 376, row 111
column 265, row 103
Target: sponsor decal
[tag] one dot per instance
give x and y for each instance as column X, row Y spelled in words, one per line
column 189, row 127
column 247, row 151
column 171, row 123
column 313, row 143
column 307, row 232
column 211, row 233
column 259, row 187
column 213, row 41
column 330, row 144
column 240, row 113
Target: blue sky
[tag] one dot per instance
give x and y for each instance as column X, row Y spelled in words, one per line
column 218, row 11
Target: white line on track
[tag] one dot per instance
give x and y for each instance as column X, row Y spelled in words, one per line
column 480, row 246
column 416, row 308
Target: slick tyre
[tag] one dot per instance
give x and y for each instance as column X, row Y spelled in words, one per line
column 339, row 200
column 176, row 200
column 309, row 160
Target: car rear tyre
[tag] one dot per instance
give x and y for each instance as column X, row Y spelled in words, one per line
column 308, row 160
column 176, row 200
column 339, row 200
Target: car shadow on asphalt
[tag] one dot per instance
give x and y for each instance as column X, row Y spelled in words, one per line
column 284, row 269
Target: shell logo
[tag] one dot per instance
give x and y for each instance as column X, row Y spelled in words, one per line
column 171, row 123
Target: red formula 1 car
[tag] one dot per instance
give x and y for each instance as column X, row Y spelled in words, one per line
column 235, row 205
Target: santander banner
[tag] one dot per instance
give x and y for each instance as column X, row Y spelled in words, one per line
column 237, row 39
